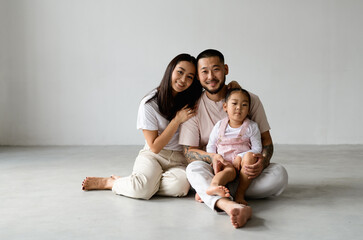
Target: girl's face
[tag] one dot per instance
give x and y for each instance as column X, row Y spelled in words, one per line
column 237, row 107
column 182, row 76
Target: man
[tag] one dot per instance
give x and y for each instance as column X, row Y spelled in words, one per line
column 268, row 179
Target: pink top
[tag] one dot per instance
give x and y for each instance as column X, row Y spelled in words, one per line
column 230, row 147
column 230, row 142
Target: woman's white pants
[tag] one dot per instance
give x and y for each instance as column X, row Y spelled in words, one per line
column 162, row 174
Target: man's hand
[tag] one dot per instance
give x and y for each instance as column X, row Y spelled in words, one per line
column 218, row 163
column 254, row 170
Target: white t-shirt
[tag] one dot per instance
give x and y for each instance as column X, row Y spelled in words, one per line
column 149, row 118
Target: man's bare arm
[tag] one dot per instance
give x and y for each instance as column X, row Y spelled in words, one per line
column 195, row 154
column 268, row 148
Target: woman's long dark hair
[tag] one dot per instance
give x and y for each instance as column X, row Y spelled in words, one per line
column 167, row 103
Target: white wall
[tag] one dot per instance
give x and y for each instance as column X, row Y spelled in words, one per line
column 74, row 71
column 4, row 77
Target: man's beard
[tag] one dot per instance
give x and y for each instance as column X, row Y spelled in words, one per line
column 218, row 89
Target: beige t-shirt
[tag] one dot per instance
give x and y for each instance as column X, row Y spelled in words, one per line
column 195, row 132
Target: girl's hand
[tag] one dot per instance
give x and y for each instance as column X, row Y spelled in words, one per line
column 185, row 114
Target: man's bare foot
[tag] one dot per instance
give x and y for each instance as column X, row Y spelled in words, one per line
column 239, row 214
column 97, row 183
column 218, row 190
column 197, row 198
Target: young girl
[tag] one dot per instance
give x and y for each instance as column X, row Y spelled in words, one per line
column 160, row 166
column 236, row 138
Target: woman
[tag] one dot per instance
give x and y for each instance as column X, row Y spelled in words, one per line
column 160, row 166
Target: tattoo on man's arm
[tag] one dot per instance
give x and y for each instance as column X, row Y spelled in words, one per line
column 267, row 152
column 195, row 156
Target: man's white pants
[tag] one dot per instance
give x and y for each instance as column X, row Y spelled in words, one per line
column 271, row 182
column 161, row 174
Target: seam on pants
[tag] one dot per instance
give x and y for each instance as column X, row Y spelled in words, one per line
column 170, row 157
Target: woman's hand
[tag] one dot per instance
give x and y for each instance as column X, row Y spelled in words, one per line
column 185, row 114
column 157, row 142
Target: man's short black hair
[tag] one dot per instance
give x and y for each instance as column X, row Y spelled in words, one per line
column 211, row 53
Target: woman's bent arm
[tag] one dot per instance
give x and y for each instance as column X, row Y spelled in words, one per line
column 158, row 142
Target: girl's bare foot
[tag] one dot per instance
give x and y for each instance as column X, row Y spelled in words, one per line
column 218, row 190
column 240, row 200
column 239, row 214
column 97, row 183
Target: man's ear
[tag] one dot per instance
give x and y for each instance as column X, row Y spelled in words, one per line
column 226, row 69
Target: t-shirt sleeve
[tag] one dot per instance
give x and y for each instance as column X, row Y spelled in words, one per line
column 146, row 117
column 257, row 113
column 189, row 133
column 255, row 138
column 212, row 143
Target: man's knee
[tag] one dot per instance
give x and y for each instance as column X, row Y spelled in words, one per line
column 197, row 166
column 271, row 183
column 190, row 168
column 281, row 178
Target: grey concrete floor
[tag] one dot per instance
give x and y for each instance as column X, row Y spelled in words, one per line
column 41, row 198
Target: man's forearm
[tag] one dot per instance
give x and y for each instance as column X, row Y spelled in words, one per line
column 267, row 152
column 267, row 148
column 195, row 154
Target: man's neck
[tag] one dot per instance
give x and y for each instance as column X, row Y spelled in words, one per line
column 219, row 95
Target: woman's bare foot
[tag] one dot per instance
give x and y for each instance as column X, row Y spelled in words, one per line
column 97, row 183
column 218, row 190
column 197, row 198
column 115, row 177
column 239, row 214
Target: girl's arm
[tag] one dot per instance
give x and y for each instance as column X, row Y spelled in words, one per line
column 158, row 142
column 256, row 144
column 255, row 139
